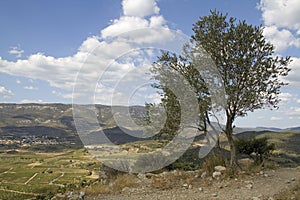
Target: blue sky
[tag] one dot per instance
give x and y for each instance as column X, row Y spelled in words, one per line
column 43, row 44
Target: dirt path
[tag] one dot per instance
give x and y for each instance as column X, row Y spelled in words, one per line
column 261, row 186
column 19, row 192
column 60, row 176
column 7, row 170
column 32, row 177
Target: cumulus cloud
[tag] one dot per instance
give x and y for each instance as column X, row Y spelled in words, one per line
column 5, row 93
column 282, row 22
column 140, row 26
column 140, row 8
column 281, row 13
column 282, row 28
column 59, row 72
column 281, row 39
column 293, row 78
column 130, row 23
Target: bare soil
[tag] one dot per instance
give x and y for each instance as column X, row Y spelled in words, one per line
column 264, row 185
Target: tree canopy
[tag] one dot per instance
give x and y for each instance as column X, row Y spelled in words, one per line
column 250, row 72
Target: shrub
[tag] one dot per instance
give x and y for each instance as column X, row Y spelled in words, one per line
column 189, row 161
column 257, row 147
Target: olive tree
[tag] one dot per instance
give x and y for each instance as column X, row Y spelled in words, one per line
column 250, row 72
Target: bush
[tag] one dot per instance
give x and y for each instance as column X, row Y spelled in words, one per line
column 257, row 147
column 189, row 161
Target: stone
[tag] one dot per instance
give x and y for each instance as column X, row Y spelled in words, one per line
column 216, row 174
column 141, row 176
column 219, row 168
column 249, row 186
column 214, row 195
column 200, row 189
column 261, row 172
column 203, row 175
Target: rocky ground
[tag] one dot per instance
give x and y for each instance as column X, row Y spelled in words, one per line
column 264, row 185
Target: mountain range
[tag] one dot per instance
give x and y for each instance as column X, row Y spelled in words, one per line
column 56, row 121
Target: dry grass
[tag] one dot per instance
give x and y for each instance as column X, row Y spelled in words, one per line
column 162, row 183
column 213, row 160
column 175, row 179
column 124, row 180
column 115, row 186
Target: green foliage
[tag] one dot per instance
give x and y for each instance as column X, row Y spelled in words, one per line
column 189, row 161
column 259, row 147
column 244, row 61
column 250, row 72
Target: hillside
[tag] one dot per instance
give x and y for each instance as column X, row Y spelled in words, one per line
column 54, row 124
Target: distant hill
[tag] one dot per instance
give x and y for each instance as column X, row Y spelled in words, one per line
column 115, row 135
column 56, row 120
column 269, row 128
column 292, row 129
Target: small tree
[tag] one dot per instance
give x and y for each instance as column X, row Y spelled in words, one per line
column 259, row 147
column 165, row 69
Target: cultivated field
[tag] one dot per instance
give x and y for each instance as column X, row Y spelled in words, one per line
column 25, row 175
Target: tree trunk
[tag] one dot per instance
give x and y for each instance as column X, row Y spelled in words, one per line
column 229, row 134
column 233, row 158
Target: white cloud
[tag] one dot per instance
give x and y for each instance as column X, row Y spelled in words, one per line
column 281, row 13
column 281, row 39
column 298, row 101
column 285, row 97
column 129, row 23
column 297, row 110
column 16, row 51
column 63, row 95
column 32, row 101
column 94, row 58
column 59, row 72
column 30, row 88
column 293, row 78
column 5, row 93
column 290, row 111
column 282, row 23
column 140, row 8
column 276, row 118
column 157, row 21
column 18, row 81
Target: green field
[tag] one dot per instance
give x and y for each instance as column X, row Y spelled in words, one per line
column 28, row 175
